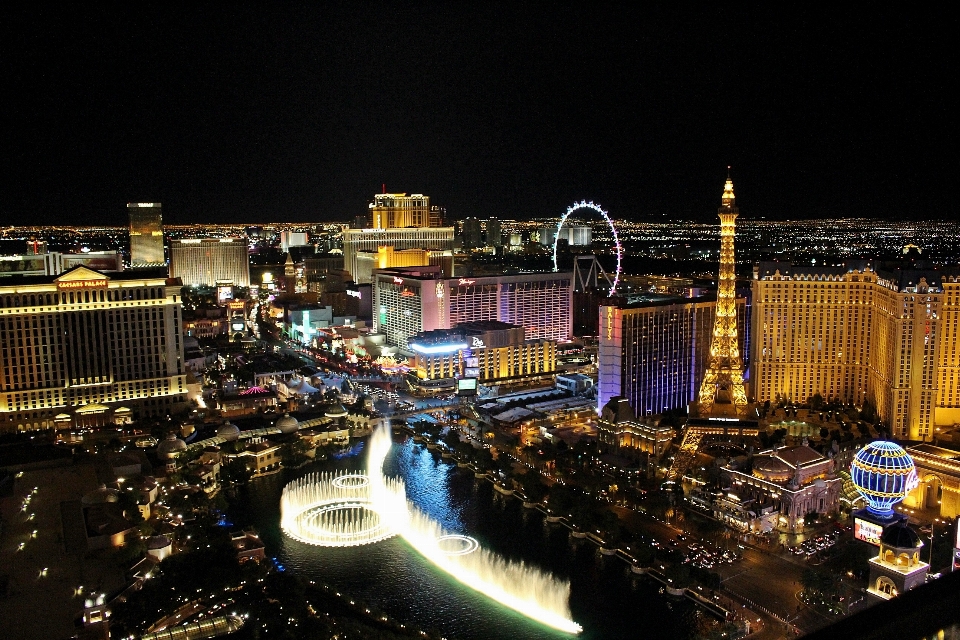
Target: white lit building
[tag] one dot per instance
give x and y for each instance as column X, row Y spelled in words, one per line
column 293, row 239
column 573, row 235
column 208, row 261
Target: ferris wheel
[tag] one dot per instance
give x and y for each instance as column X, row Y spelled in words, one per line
column 618, row 248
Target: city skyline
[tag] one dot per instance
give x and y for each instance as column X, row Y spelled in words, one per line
column 176, row 391
column 302, row 114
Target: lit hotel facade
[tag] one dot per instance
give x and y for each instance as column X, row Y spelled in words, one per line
column 360, row 244
column 146, row 233
column 206, row 261
column 398, row 210
column 415, row 299
column 86, row 341
column 654, row 353
column 858, row 333
column 488, row 350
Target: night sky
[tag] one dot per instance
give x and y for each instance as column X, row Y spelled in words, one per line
column 287, row 113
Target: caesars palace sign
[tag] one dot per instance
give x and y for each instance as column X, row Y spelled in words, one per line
column 82, row 284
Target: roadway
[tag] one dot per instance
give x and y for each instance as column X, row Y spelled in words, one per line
column 762, row 578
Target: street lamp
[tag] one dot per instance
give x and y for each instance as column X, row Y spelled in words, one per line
column 933, row 526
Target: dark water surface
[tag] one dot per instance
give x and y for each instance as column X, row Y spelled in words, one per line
column 606, row 599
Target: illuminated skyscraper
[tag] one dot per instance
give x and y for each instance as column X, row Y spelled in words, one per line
column 723, row 380
column 398, row 210
column 207, row 261
column 409, row 300
column 358, row 241
column 146, row 233
column 655, row 353
column 79, row 346
column 399, row 221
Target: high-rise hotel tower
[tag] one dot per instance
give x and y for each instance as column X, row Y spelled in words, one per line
column 409, row 300
column 655, row 353
column 667, row 352
column 87, row 342
column 888, row 334
column 146, row 234
column 398, row 210
column 399, row 221
column 202, row 262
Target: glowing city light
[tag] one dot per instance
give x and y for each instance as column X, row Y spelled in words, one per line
column 350, row 509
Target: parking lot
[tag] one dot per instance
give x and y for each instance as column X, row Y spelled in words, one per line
column 810, row 547
column 704, row 556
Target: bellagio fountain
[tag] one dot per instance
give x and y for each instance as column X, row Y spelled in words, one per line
column 351, row 509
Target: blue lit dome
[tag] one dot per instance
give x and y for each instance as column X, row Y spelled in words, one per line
column 883, row 473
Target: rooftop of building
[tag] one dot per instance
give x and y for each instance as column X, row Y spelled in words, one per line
column 575, row 376
column 800, row 455
column 902, row 274
column 481, row 326
column 514, row 415
column 901, row 536
column 261, row 447
column 561, row 404
column 665, row 300
column 935, row 451
column 158, row 273
column 439, row 336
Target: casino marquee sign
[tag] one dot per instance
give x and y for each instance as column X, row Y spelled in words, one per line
column 83, row 279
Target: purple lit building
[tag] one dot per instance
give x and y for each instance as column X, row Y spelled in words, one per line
column 654, row 352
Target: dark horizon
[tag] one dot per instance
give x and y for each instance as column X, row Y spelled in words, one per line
column 300, row 114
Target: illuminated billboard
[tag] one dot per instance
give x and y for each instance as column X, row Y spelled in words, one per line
column 467, row 387
column 867, row 531
column 471, row 365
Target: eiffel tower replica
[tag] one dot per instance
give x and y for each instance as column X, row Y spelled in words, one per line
column 722, row 392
